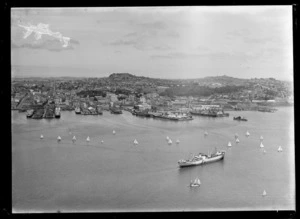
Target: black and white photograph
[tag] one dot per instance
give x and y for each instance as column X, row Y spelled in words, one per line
column 152, row 109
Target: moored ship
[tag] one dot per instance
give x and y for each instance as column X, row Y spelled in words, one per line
column 202, row 159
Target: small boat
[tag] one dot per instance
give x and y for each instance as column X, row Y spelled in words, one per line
column 196, row 183
column 177, row 142
column 74, row 138
column 58, row 138
column 261, row 138
column 280, row 149
column 88, row 139
column 102, row 142
column 247, row 134
column 202, row 159
column 77, row 110
column 264, row 193
column 237, row 140
column 30, row 113
column 229, row 144
column 114, row 132
column 239, row 118
column 261, row 145
column 135, row 142
column 57, row 112
column 42, row 137
column 170, row 141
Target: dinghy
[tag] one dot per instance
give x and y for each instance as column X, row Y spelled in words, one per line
column 196, row 183
column 170, row 141
column 247, row 134
column 135, row 142
column 264, row 193
column 229, row 144
column 74, row 138
column 42, row 136
column 102, row 142
column 237, row 140
column 58, row 138
column 261, row 145
column 280, row 149
column 114, row 132
column 88, row 139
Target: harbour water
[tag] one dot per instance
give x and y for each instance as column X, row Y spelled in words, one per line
column 117, row 175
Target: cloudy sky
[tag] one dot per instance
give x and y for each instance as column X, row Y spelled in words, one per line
column 161, row 42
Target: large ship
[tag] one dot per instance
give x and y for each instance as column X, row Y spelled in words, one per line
column 202, row 159
column 57, row 112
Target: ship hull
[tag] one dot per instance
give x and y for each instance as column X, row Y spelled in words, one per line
column 213, row 159
column 189, row 164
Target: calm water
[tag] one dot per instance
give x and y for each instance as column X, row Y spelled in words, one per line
column 119, row 176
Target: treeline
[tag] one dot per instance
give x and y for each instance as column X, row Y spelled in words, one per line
column 91, row 93
column 195, row 90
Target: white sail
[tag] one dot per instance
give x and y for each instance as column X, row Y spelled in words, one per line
column 279, row 149
column 102, row 142
column 167, row 138
column 170, row 141
column 264, row 193
column 135, row 141
column 261, row 145
column 237, row 140
column 58, row 138
column 198, row 181
column 42, row 136
column 88, row 138
column 114, row 132
column 229, row 144
column 247, row 133
column 74, row 138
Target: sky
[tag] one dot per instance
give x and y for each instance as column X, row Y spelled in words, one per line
column 160, row 42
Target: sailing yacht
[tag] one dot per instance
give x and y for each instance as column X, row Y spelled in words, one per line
column 167, row 138
column 229, row 144
column 247, row 134
column 74, row 138
column 135, row 142
column 237, row 140
column 261, row 138
column 170, row 141
column 196, row 183
column 102, row 142
column 88, row 139
column 264, row 193
column 261, row 145
column 114, row 132
column 177, row 141
column 42, row 136
column 280, row 149
column 58, row 138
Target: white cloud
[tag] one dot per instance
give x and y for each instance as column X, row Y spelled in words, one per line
column 41, row 29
